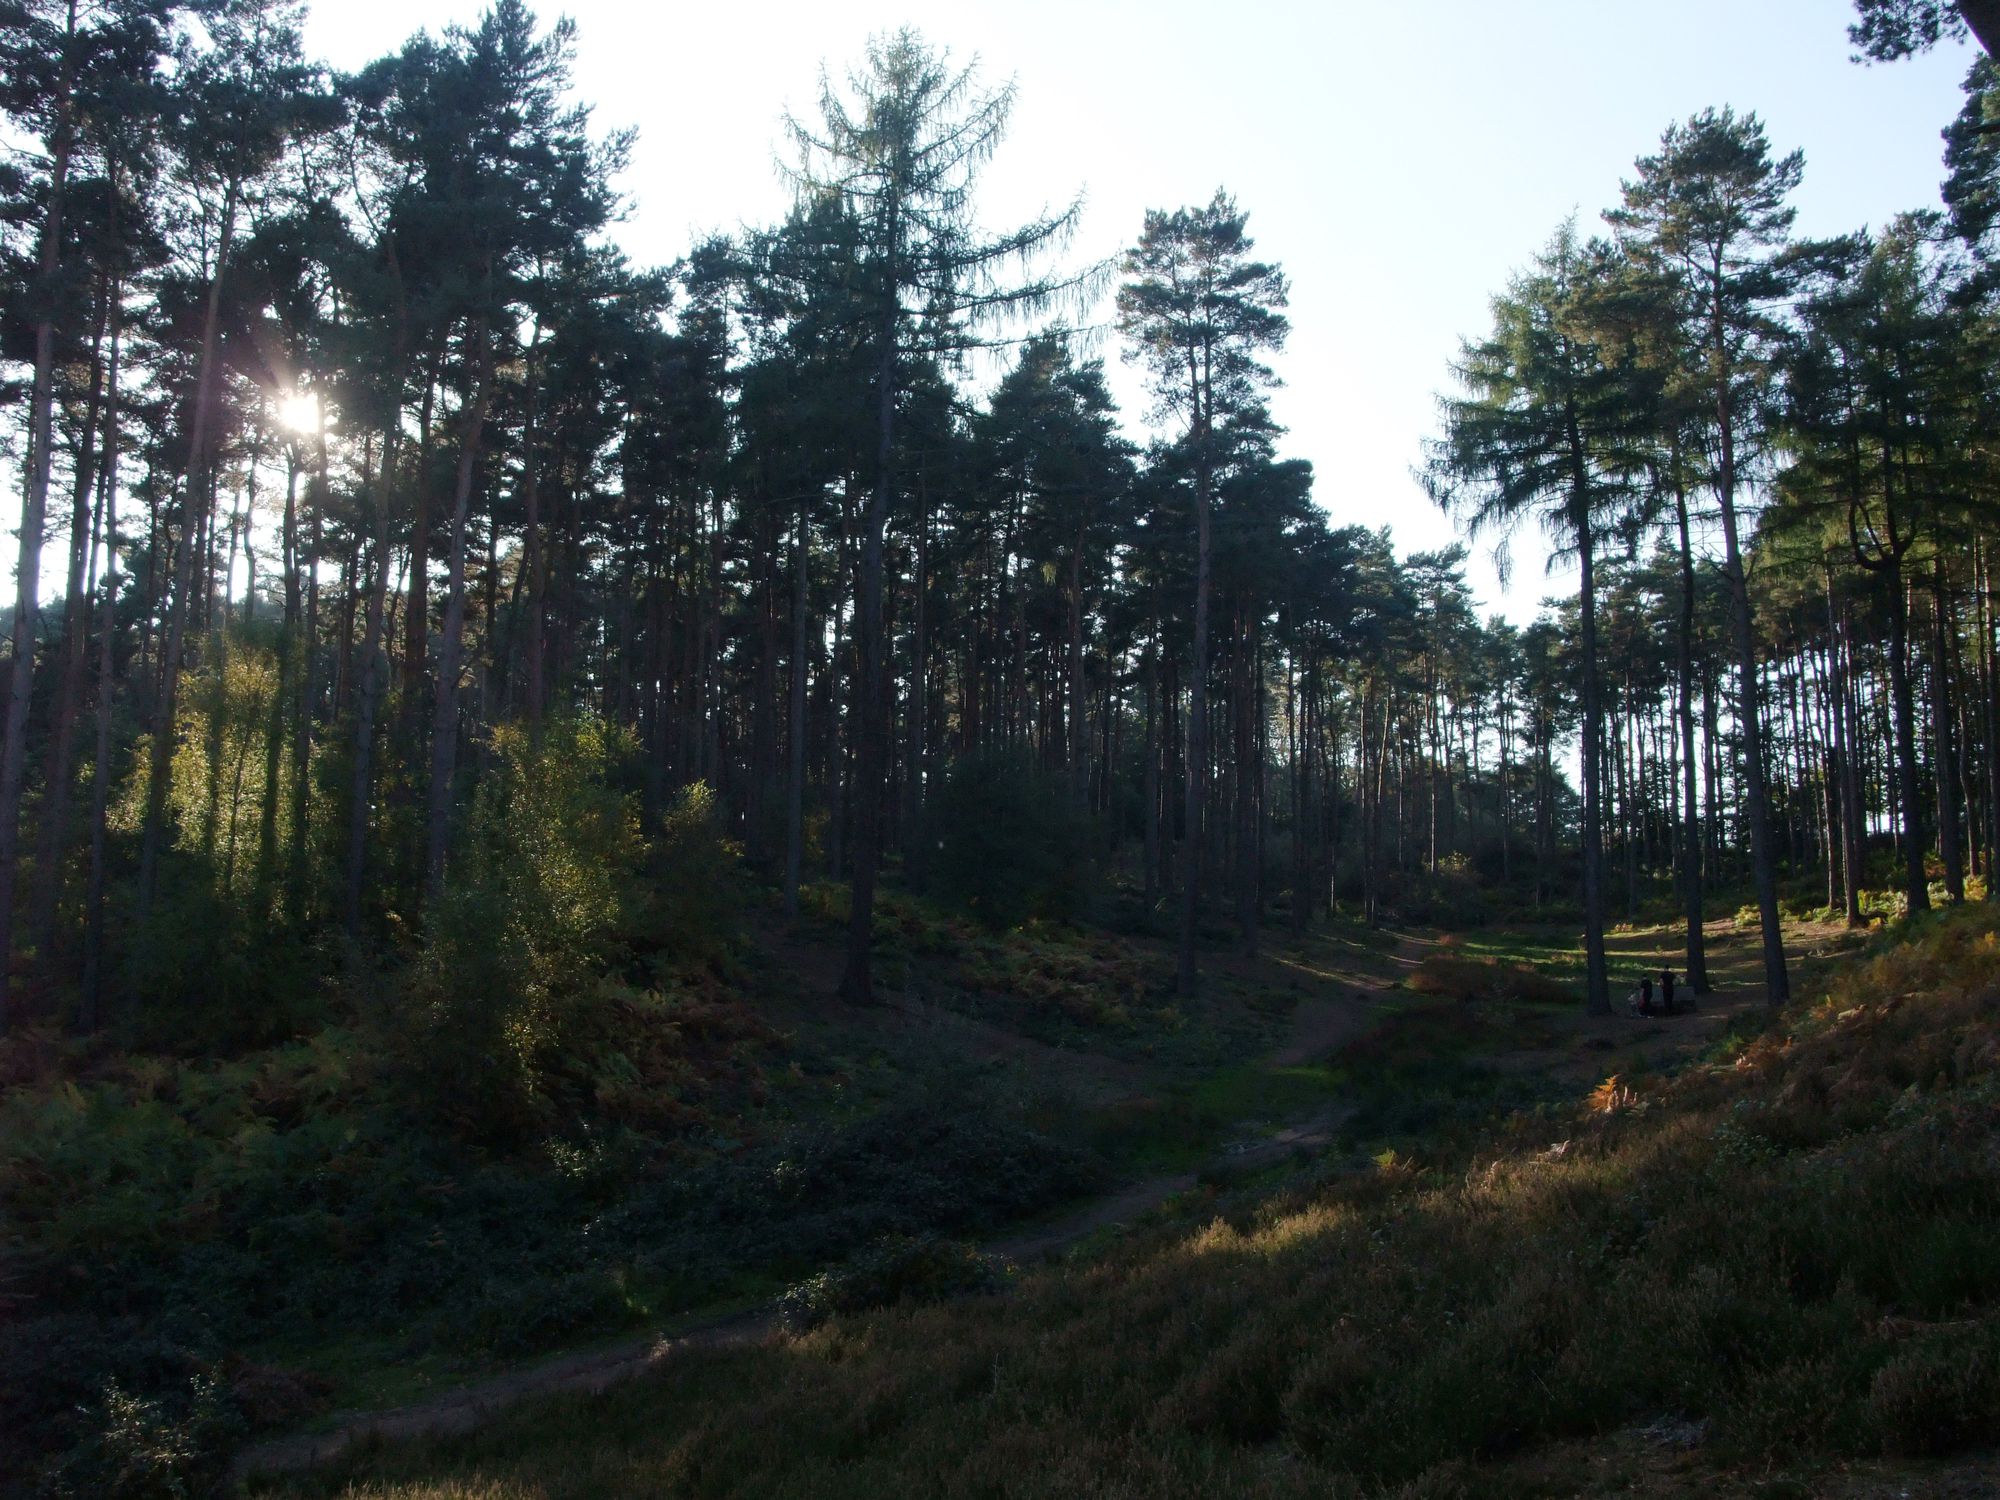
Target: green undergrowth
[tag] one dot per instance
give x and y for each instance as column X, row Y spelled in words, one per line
column 198, row 1248
column 1061, row 984
column 1782, row 1257
column 1183, row 1125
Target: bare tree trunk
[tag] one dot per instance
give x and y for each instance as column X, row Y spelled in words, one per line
column 914, row 855
column 1983, row 16
column 1197, row 726
column 534, row 560
column 857, row 982
column 306, row 642
column 77, row 603
column 1756, row 800
column 1691, row 841
column 1152, row 772
column 1597, row 980
column 1989, row 705
column 374, row 674
column 1944, row 736
column 90, row 1006
column 181, row 605
column 34, row 514
column 795, row 780
column 1909, row 783
column 444, row 724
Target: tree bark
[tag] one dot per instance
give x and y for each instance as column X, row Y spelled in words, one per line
column 1696, row 960
column 795, row 779
column 444, row 723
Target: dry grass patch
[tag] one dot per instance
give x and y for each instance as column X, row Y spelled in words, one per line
column 1455, row 976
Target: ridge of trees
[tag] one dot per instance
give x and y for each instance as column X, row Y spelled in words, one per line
column 372, row 462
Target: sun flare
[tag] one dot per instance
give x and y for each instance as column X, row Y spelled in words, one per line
column 300, row 412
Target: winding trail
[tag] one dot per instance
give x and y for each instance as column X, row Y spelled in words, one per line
column 1320, row 1025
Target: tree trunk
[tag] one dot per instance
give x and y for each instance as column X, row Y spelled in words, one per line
column 444, row 723
column 181, row 605
column 1186, row 977
column 34, row 514
column 857, row 984
column 1909, row 776
column 90, row 1006
column 1983, row 16
column 1756, row 801
column 795, row 779
column 1597, row 981
column 1943, row 737
column 1691, row 841
column 374, row 674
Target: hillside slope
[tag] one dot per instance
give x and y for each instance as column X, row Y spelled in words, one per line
column 1774, row 1275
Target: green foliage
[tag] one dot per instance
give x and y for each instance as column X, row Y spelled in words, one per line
column 957, row 1164
column 1010, row 842
column 691, row 901
column 533, row 907
column 1941, row 1391
column 66, row 1384
column 209, row 974
column 231, row 792
column 165, row 1211
column 219, row 963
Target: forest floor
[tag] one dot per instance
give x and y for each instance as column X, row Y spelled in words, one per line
column 1255, row 1078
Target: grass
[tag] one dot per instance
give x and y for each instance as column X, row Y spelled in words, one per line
column 1781, row 1260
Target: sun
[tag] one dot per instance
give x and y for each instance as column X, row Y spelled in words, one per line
column 300, row 412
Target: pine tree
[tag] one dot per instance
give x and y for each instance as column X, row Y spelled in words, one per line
column 902, row 149
column 1199, row 313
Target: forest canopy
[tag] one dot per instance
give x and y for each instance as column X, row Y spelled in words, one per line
column 366, row 462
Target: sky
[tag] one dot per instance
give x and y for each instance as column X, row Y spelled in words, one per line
column 1399, row 161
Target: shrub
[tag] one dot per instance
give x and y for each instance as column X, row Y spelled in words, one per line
column 948, row 1166
column 174, row 1446
column 693, row 895
column 55, row 1370
column 1010, row 842
column 897, row 1269
column 1940, row 1393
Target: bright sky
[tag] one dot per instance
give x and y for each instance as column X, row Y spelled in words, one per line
column 1398, row 160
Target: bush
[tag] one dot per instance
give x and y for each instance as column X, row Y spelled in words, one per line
column 169, row 1447
column 55, row 1369
column 1940, row 1393
column 895, row 1270
column 1010, row 842
column 946, row 1166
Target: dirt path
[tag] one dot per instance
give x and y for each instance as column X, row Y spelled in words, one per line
column 1319, row 1025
